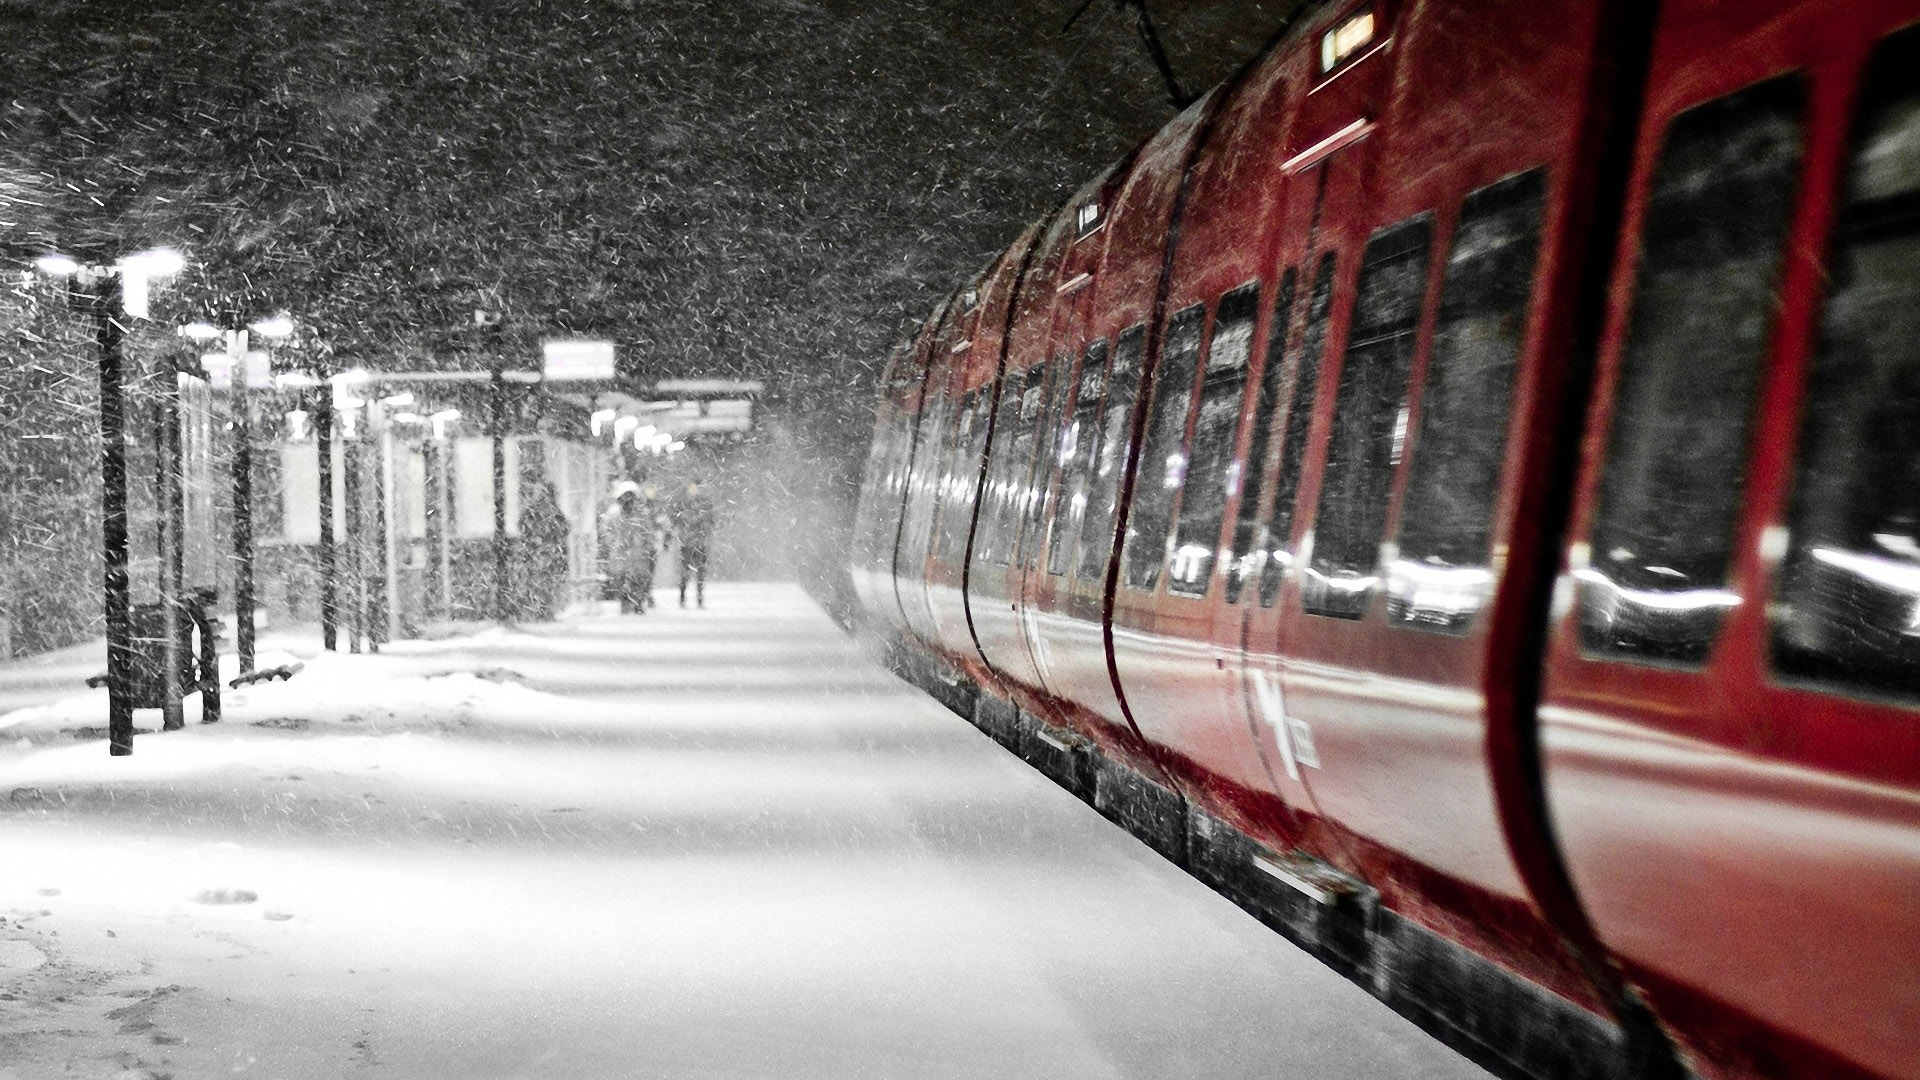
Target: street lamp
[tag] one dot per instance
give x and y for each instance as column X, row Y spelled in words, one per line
column 104, row 291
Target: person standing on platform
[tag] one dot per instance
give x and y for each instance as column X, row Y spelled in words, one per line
column 693, row 524
column 543, row 553
column 627, row 545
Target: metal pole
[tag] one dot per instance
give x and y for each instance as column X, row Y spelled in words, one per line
column 242, row 501
column 104, row 298
column 329, row 567
column 380, row 609
column 434, row 593
column 497, row 423
column 356, row 578
column 167, row 452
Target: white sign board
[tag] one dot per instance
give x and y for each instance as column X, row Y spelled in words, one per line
column 572, row 359
column 219, row 369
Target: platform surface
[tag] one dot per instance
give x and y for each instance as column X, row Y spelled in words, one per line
column 695, row 843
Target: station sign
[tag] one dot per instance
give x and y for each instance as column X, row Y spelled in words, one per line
column 564, row 359
column 219, row 369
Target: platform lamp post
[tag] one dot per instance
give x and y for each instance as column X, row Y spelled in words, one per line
column 486, row 323
column 106, row 292
column 275, row 328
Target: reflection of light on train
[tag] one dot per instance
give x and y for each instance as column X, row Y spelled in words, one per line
column 1902, row 577
column 1659, row 599
column 1447, row 591
column 1617, row 691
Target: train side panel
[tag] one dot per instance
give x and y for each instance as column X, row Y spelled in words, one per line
column 1732, row 729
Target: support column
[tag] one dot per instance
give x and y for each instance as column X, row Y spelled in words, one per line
column 242, row 415
column 433, row 453
column 329, row 561
column 356, row 578
column 167, row 462
column 497, row 428
column 103, row 300
column 384, row 581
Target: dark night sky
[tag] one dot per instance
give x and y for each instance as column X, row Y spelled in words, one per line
column 774, row 188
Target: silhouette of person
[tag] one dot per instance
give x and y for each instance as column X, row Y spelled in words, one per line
column 543, row 553
column 627, row 544
column 693, row 524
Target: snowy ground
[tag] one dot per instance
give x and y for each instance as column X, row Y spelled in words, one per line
column 692, row 844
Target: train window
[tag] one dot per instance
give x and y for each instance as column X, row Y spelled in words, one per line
column 1247, row 545
column 1369, row 421
column 1711, row 245
column 1123, row 385
column 1077, row 447
column 1020, row 463
column 1163, row 465
column 929, row 457
column 1440, row 576
column 956, row 497
column 994, row 542
column 1847, row 612
column 1046, row 455
column 1293, row 438
column 1211, row 475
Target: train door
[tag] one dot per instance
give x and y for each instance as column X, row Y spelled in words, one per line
column 1731, row 722
column 1042, row 593
column 890, row 505
column 1317, row 263
column 934, row 463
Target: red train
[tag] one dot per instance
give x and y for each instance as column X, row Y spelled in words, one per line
column 1456, row 489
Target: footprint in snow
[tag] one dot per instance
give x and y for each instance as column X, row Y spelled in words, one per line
column 226, row 896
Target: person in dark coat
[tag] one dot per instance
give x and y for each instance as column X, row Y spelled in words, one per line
column 693, row 524
column 543, row 553
column 628, row 546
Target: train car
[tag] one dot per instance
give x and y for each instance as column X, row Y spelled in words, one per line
column 1456, row 490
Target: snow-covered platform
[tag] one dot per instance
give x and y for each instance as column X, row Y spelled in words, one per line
column 710, row 843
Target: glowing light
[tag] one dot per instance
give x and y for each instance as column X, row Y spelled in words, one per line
column 1345, row 39
column 404, row 397
column 201, row 331
column 56, row 266
column 155, row 263
column 279, row 326
column 599, row 420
